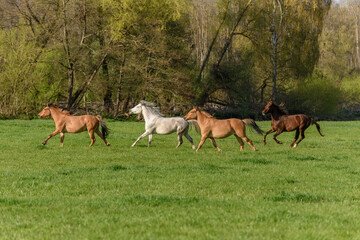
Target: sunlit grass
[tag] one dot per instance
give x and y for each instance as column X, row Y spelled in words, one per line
column 119, row 192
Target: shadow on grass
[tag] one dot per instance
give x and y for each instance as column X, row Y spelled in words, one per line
column 296, row 197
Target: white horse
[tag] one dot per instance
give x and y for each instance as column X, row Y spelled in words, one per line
column 155, row 123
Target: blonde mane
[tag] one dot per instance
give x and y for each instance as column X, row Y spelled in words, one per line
column 206, row 114
column 60, row 109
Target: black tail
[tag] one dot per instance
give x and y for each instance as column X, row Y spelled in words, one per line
column 253, row 125
column 104, row 128
column 317, row 126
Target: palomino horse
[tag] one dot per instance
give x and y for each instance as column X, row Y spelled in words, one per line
column 281, row 122
column 212, row 128
column 156, row 123
column 66, row 123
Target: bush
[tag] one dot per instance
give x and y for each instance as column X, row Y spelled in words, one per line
column 316, row 96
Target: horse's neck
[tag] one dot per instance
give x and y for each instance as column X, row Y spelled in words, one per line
column 148, row 116
column 276, row 114
column 200, row 117
column 55, row 114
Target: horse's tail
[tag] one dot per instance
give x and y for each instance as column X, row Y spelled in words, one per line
column 252, row 123
column 193, row 124
column 104, row 128
column 317, row 126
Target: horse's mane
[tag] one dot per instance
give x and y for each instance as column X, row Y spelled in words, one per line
column 206, row 114
column 61, row 109
column 281, row 109
column 151, row 107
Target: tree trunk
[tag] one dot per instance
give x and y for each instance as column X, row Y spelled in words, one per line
column 357, row 42
column 118, row 95
column 70, row 64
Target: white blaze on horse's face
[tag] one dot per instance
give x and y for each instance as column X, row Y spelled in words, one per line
column 136, row 110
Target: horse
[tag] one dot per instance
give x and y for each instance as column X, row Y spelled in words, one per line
column 67, row 123
column 156, row 123
column 212, row 128
column 282, row 122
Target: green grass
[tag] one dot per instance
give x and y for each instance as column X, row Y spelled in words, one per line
column 119, row 192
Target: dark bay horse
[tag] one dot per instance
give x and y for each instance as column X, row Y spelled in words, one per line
column 212, row 128
column 67, row 123
column 282, row 122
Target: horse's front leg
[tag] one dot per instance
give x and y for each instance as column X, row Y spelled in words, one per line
column 268, row 132
column 212, row 140
column 277, row 134
column 50, row 136
column 203, row 138
column 141, row 136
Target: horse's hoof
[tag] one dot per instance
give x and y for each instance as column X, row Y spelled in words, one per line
column 193, row 147
column 255, row 150
column 44, row 143
column 295, row 145
column 108, row 144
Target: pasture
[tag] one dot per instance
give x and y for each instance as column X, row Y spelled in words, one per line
column 119, row 192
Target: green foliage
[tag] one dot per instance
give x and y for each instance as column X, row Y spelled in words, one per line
column 316, row 95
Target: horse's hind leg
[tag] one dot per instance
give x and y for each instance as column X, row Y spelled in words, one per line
column 296, row 138
column 102, row 137
column 180, row 140
column 189, row 138
column 240, row 142
column 62, row 135
column 246, row 139
column 150, row 140
column 92, row 137
column 240, row 132
column 302, row 134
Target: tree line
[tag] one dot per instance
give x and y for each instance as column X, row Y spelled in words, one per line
column 232, row 55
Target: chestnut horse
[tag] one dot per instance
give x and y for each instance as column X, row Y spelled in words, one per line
column 281, row 122
column 66, row 123
column 212, row 128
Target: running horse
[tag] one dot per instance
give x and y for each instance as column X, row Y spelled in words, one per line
column 67, row 123
column 212, row 128
column 156, row 123
column 282, row 122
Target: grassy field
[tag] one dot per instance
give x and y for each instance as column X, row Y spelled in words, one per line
column 119, row 192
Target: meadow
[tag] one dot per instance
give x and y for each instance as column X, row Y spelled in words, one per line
column 119, row 192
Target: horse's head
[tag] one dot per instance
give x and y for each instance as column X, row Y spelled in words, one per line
column 267, row 108
column 136, row 110
column 45, row 112
column 192, row 114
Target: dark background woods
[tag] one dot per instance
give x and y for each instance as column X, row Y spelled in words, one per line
column 231, row 56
